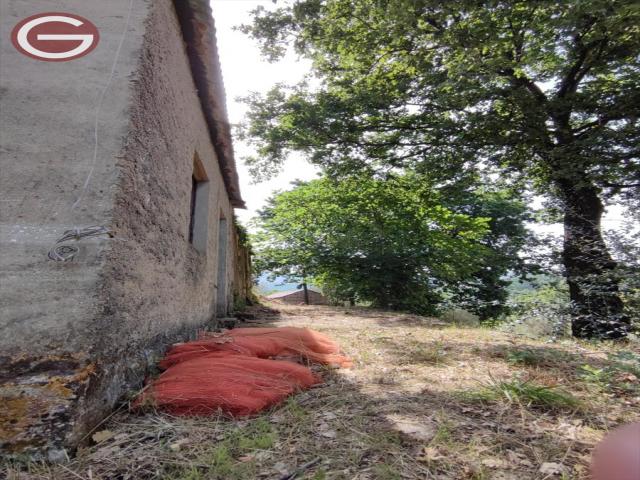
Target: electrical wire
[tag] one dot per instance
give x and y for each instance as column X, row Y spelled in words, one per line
column 60, row 252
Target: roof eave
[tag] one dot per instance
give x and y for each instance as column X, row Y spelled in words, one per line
column 198, row 31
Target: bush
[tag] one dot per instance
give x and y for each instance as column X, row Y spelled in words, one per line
column 527, row 394
column 540, row 312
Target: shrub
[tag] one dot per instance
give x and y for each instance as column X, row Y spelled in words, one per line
column 527, row 394
column 542, row 312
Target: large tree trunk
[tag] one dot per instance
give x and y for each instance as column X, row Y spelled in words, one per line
column 597, row 310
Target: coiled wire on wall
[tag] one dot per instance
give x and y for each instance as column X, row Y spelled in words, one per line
column 62, row 251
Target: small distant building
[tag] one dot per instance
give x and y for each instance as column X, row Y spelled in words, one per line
column 296, row 297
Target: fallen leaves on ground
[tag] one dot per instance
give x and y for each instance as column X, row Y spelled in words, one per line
column 414, row 406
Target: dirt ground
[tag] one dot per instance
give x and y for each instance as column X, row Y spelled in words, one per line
column 423, row 400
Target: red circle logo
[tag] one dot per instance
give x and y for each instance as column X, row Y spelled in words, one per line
column 55, row 37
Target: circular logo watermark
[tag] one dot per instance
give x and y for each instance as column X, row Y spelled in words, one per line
column 55, row 37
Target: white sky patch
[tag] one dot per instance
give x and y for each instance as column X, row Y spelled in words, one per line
column 244, row 71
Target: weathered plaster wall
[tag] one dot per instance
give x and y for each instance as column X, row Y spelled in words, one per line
column 79, row 334
column 156, row 284
column 47, row 136
column 48, row 110
column 156, row 279
column 157, row 288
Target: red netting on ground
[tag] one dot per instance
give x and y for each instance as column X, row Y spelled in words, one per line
column 262, row 343
column 233, row 384
column 234, row 372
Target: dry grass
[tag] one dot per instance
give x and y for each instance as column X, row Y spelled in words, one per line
column 422, row 402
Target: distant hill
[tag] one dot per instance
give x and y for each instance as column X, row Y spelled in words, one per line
column 535, row 282
column 266, row 286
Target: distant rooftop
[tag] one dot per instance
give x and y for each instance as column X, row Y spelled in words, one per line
column 286, row 293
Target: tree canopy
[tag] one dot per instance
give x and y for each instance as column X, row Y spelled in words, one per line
column 545, row 92
column 391, row 242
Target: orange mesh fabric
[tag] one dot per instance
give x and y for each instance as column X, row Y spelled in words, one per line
column 234, row 372
column 232, row 384
column 262, row 343
column 277, row 342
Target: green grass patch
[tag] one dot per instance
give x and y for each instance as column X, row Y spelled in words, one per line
column 230, row 458
column 189, row 473
column 384, row 471
column 444, row 433
column 383, row 441
column 525, row 357
column 526, row 393
column 625, row 361
column 258, row 435
column 534, row 357
column 620, row 375
column 432, row 354
column 296, row 411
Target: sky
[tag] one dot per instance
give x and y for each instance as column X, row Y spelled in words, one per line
column 245, row 71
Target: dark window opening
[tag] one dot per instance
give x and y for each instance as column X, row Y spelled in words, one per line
column 192, row 214
column 198, row 232
column 222, row 301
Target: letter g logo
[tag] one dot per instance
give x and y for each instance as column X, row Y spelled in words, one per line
column 55, row 37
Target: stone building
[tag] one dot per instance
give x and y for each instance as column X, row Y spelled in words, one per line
column 296, row 297
column 118, row 188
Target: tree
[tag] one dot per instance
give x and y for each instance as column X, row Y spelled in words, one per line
column 546, row 92
column 287, row 254
column 485, row 292
column 387, row 241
